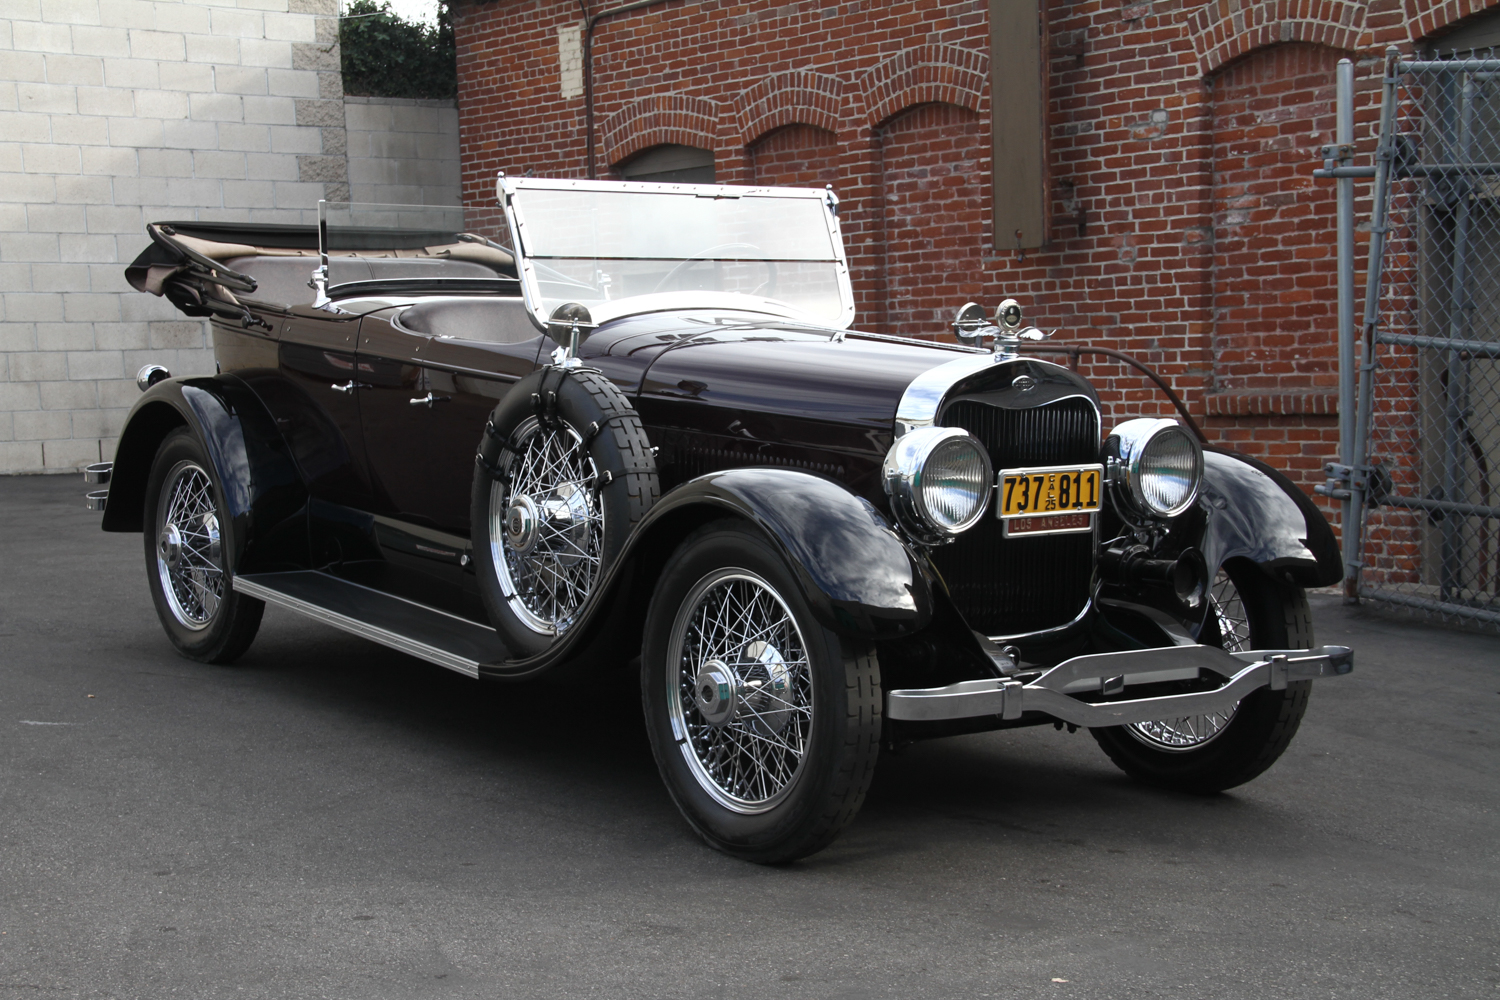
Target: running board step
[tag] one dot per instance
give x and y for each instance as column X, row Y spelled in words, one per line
column 432, row 635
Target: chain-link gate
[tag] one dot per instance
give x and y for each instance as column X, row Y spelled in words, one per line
column 1420, row 469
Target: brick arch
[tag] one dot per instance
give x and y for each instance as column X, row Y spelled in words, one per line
column 1224, row 30
column 663, row 118
column 924, row 74
column 796, row 97
column 1424, row 18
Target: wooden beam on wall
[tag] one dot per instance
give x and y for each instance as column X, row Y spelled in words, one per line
column 1018, row 123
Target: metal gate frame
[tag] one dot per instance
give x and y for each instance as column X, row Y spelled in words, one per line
column 1362, row 481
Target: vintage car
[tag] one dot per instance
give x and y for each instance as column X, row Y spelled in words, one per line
column 641, row 435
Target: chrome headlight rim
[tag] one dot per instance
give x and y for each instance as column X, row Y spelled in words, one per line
column 1127, row 446
column 902, row 475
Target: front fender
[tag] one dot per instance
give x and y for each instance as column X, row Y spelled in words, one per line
column 1257, row 513
column 854, row 571
column 1245, row 511
column 263, row 493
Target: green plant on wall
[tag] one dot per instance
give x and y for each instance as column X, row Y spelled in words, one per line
column 386, row 56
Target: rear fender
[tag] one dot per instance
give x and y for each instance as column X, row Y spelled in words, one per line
column 263, row 493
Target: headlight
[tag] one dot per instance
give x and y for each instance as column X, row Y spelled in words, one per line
column 1157, row 464
column 939, row 481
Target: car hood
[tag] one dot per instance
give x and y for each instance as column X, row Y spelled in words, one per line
column 758, row 363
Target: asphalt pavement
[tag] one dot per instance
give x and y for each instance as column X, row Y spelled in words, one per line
column 329, row 818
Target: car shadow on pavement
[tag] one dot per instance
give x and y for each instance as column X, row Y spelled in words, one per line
column 589, row 738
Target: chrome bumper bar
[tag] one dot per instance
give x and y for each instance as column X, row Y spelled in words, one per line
column 1110, row 676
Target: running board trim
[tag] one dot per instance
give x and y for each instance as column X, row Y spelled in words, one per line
column 253, row 586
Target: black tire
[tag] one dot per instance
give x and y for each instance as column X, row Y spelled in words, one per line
column 533, row 593
column 830, row 708
column 1262, row 726
column 183, row 561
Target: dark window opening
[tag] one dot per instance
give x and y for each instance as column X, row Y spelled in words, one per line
column 671, row 165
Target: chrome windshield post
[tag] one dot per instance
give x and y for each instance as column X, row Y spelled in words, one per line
column 319, row 281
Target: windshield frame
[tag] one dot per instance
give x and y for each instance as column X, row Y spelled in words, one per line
column 527, row 265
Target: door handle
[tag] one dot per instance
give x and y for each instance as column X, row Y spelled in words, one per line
column 427, row 400
column 348, row 387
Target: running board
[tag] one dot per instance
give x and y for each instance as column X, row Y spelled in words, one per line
column 432, row 635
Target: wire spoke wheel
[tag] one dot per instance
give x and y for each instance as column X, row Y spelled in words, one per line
column 189, row 554
column 740, row 689
column 546, row 527
column 1193, row 731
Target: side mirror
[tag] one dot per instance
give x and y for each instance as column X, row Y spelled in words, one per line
column 569, row 325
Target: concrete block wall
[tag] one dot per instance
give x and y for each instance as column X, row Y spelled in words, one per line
column 114, row 113
column 403, row 151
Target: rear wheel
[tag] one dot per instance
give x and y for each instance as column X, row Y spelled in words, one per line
column 1211, row 752
column 189, row 542
column 765, row 724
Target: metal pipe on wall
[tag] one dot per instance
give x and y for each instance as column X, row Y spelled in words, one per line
column 590, row 21
column 1344, row 137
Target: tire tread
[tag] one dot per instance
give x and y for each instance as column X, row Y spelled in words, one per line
column 861, row 750
column 642, row 485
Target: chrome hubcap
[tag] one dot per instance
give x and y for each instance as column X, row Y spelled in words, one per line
column 189, row 552
column 520, row 526
column 1193, row 731
column 546, row 528
column 169, row 545
column 716, row 692
column 740, row 690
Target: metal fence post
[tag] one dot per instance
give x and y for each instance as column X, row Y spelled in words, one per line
column 1417, row 471
column 1385, row 152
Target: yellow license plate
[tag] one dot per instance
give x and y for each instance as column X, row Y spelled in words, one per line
column 1057, row 489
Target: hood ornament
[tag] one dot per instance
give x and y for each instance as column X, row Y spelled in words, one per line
column 971, row 329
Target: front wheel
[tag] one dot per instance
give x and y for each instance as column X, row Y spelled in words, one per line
column 765, row 724
column 189, row 543
column 1203, row 754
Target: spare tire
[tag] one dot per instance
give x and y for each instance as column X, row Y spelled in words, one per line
column 564, row 473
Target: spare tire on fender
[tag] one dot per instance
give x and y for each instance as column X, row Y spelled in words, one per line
column 563, row 474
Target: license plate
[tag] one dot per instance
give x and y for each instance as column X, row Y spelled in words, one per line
column 1056, row 489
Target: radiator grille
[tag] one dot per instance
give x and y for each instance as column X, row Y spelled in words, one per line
column 1011, row 586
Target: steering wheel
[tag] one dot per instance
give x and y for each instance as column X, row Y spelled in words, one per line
column 702, row 255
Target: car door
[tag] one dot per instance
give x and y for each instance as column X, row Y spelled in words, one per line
column 432, row 387
column 315, row 403
column 473, row 377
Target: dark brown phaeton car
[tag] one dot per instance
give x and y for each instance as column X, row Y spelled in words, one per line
column 644, row 434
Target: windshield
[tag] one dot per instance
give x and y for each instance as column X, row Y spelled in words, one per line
column 407, row 245
column 609, row 245
column 346, row 227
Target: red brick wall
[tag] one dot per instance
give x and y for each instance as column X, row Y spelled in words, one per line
column 1188, row 230
column 1275, row 280
column 795, row 156
column 934, row 185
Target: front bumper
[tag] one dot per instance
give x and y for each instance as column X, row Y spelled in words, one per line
column 1105, row 679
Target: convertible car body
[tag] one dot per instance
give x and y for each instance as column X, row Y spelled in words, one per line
column 641, row 434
